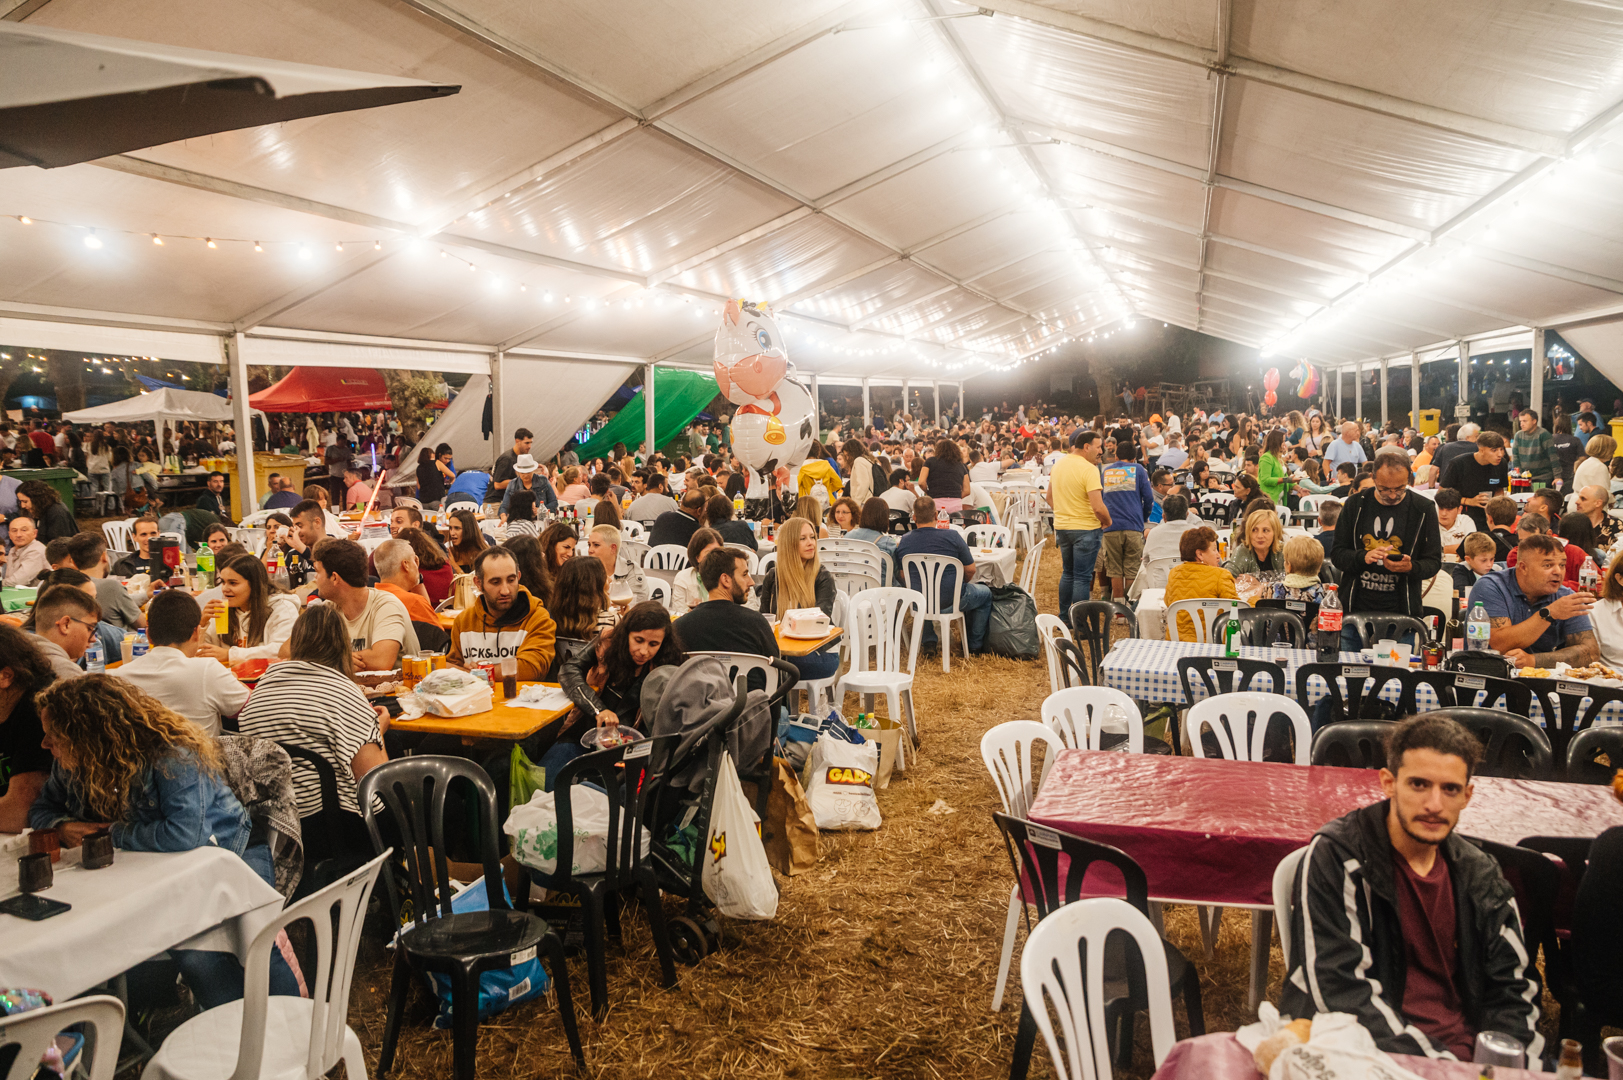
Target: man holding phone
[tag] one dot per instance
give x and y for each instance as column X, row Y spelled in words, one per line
column 1388, row 546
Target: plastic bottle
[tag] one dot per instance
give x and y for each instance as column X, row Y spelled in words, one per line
column 205, row 566
column 1329, row 627
column 1231, row 638
column 1571, row 1065
column 1476, row 628
column 1588, row 575
column 95, row 659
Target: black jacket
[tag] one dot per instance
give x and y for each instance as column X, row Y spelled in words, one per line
column 1347, row 942
column 824, row 586
column 1424, row 547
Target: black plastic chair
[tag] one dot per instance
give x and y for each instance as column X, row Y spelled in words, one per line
column 1306, row 610
column 1479, row 662
column 1352, row 744
column 1562, row 702
column 900, row 523
column 1512, row 746
column 1073, row 663
column 1596, row 948
column 1362, row 699
column 431, row 636
column 1262, row 627
column 1034, row 853
column 1441, row 683
column 1221, row 675
column 335, row 840
column 1491, row 692
column 461, row 946
column 1586, row 746
column 1378, row 627
column 627, row 781
column 1091, row 622
column 1537, row 882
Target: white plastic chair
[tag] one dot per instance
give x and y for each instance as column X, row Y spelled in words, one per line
column 741, row 664
column 1050, row 627
column 994, row 536
column 764, row 562
column 1284, row 513
column 252, row 539
column 1007, row 752
column 930, row 570
column 283, row 1036
column 1284, row 878
column 1313, row 502
column 1077, row 715
column 583, row 547
column 635, row 550
column 1239, row 722
column 875, row 623
column 1204, row 612
column 120, row 535
column 633, row 530
column 660, row 589
column 666, row 557
column 851, row 578
column 1029, row 568
column 33, row 1032
column 1051, row 971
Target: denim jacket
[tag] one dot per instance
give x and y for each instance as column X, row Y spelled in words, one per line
column 179, row 807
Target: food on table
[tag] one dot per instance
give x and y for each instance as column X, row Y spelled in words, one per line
column 1593, row 671
column 1292, row 1034
column 249, row 670
column 1534, row 673
column 385, row 689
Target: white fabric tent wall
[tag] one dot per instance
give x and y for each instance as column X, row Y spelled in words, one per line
column 459, row 427
column 1602, row 345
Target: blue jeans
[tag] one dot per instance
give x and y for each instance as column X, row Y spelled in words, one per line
column 216, row 978
column 558, row 755
column 976, row 604
column 1078, row 555
column 817, row 665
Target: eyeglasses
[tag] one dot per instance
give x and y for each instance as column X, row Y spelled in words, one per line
column 1390, row 494
column 91, row 626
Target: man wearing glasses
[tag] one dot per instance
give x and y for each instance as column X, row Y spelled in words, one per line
column 1388, row 546
column 65, row 621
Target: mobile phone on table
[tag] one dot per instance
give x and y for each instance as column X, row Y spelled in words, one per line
column 32, row 907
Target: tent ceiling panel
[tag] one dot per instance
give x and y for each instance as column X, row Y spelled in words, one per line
column 640, row 330
column 1328, row 241
column 1288, row 279
column 1032, row 270
column 1046, row 299
column 1094, row 88
column 1192, row 22
column 1083, row 179
column 1278, row 308
column 1387, row 168
column 1542, row 298
column 1414, row 308
column 888, row 287
column 951, row 189
column 404, row 162
column 1006, row 237
column 1123, row 231
column 790, row 260
column 642, row 203
column 112, row 340
column 938, row 312
column 1546, row 67
column 837, row 110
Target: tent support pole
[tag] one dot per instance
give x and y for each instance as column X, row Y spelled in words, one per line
column 237, row 379
column 648, row 410
column 498, row 404
column 1384, row 375
column 1464, row 348
column 960, row 402
column 1414, row 390
column 935, row 387
column 1535, row 396
column 907, row 398
column 867, row 405
column 1358, row 392
column 817, row 411
column 1341, row 404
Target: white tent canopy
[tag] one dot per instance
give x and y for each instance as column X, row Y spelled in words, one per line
column 164, row 402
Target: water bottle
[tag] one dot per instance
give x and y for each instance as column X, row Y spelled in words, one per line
column 1329, row 628
column 1476, row 628
column 1588, row 575
column 95, row 659
column 141, row 648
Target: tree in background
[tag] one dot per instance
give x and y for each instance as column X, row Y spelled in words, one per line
column 411, row 393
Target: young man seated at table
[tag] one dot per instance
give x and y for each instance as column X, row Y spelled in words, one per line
column 398, row 575
column 1406, row 926
column 143, row 560
column 1534, row 620
column 1199, row 576
column 932, row 537
column 504, row 621
column 722, row 623
column 1452, row 521
column 309, row 529
column 1477, row 553
column 200, row 689
column 65, row 621
column 26, row 560
column 380, row 630
column 87, row 553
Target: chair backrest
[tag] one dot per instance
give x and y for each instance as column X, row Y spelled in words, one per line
column 926, row 573
column 765, row 561
column 120, row 535
column 1586, row 746
column 901, row 523
column 1154, row 571
column 335, row 915
column 1240, row 724
column 1049, row 627
column 1352, row 744
column 866, row 550
column 995, row 536
column 1313, row 502
column 1035, row 851
column 412, row 790
column 1284, row 879
column 1053, row 970
column 1284, row 513
column 625, row 774
column 1306, row 610
column 1078, row 714
column 1028, row 569
column 1563, row 703
column 878, row 619
column 1378, row 627
column 431, row 635
column 633, row 530
column 1226, row 675
column 1072, row 662
column 635, row 550
column 1537, row 884
column 1007, row 752
column 852, row 578
column 666, row 557
column 1205, row 613
column 1092, row 622
column 1261, row 627
column 1512, row 746
column 1353, row 689
column 659, row 589
column 252, row 539
column 33, row 1032
column 741, row 665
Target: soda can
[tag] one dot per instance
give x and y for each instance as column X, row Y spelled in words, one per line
column 491, row 673
column 436, row 661
column 1497, row 1048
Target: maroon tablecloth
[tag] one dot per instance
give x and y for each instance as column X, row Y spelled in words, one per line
column 1221, row 1057
column 1212, row 831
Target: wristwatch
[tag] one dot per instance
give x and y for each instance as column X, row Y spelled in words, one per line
column 1544, row 613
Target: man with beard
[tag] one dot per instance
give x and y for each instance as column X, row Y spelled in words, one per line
column 1406, row 926
column 722, row 623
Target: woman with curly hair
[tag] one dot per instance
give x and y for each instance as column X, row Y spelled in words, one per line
column 40, row 501
column 126, row 763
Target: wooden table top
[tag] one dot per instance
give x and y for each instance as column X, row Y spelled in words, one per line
column 504, row 721
column 789, row 646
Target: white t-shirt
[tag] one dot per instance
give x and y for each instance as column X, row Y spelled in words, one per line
column 383, row 619
column 200, row 689
column 1463, row 526
column 984, row 472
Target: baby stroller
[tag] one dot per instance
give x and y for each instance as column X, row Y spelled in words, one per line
column 712, row 716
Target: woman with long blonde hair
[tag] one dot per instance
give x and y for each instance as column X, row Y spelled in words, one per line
column 798, row 580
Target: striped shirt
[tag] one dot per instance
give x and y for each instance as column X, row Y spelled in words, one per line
column 316, row 708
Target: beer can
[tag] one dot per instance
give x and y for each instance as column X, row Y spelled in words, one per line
column 1497, row 1048
column 436, row 661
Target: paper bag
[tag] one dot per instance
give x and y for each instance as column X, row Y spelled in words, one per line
column 790, row 830
column 889, row 740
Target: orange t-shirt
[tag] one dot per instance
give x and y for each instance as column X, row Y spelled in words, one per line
column 418, row 608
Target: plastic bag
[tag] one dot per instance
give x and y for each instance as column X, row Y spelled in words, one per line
column 503, row 988
column 839, row 783
column 524, row 777
column 736, row 874
column 533, row 827
column 1012, row 628
column 451, row 692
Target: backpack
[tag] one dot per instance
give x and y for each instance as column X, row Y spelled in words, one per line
column 881, row 482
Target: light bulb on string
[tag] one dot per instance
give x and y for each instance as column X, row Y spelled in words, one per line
column 258, row 246
column 92, row 241
column 210, row 242
column 156, row 239
column 26, row 220
column 377, row 245
column 338, row 247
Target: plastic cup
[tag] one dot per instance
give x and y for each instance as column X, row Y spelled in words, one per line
column 1614, row 1057
column 222, row 623
column 509, row 677
column 129, row 647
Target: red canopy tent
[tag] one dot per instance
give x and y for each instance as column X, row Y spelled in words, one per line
column 325, row 389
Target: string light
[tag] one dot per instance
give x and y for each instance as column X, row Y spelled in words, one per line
column 25, row 219
column 210, row 242
column 156, row 239
column 92, row 241
column 258, row 246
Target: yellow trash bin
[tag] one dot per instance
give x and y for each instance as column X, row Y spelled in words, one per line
column 289, row 465
column 1430, row 423
column 1617, row 433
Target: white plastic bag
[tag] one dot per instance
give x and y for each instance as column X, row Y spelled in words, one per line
column 1338, row 1048
column 534, row 831
column 452, row 692
column 737, row 876
column 839, row 783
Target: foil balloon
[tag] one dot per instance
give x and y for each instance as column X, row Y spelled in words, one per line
column 1270, row 399
column 750, row 359
column 1307, row 380
column 764, row 441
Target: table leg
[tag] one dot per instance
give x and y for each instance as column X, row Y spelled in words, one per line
column 1211, row 921
column 1262, row 938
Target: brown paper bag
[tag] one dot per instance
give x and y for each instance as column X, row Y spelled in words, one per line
column 790, row 830
column 889, row 740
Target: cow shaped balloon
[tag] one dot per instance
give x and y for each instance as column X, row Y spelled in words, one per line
column 763, row 441
column 750, row 360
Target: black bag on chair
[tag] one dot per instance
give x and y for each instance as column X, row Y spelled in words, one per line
column 1012, row 630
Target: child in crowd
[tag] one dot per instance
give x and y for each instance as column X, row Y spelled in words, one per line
column 1303, row 559
column 1478, row 552
column 1501, row 525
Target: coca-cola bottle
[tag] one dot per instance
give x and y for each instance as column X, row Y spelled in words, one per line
column 1329, row 629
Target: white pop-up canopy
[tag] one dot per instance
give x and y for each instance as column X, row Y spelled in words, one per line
column 165, row 403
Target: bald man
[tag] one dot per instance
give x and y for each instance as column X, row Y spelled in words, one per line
column 1592, row 503
column 1345, row 449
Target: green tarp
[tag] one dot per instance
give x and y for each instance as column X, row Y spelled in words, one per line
column 679, row 396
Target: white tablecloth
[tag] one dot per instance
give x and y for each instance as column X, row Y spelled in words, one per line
column 1152, row 614
column 142, row 905
column 994, row 566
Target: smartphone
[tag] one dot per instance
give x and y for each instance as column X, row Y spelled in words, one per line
column 32, row 907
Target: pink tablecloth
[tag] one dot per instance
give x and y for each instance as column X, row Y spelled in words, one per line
column 1212, row 831
column 1221, row 1057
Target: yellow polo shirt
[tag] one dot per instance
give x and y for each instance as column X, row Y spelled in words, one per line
column 1073, row 477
